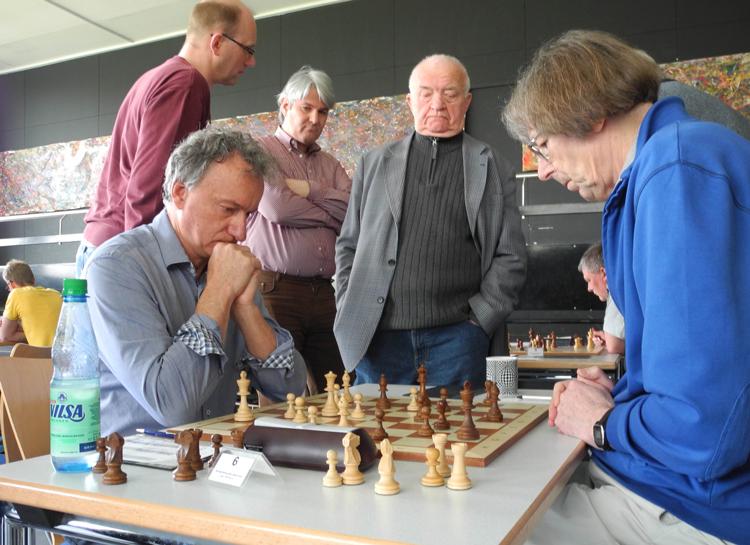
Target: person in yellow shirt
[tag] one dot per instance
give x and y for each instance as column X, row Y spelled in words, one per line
column 31, row 311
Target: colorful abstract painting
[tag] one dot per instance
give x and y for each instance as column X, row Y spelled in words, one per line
column 64, row 176
column 727, row 77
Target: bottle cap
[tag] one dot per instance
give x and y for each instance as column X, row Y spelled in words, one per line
column 74, row 286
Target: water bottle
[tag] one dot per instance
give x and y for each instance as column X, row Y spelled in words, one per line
column 74, row 390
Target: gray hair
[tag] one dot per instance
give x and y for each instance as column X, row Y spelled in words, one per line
column 445, row 58
column 299, row 85
column 592, row 259
column 192, row 157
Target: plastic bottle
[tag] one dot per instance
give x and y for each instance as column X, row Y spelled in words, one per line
column 74, row 389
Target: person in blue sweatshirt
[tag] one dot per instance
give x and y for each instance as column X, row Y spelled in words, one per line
column 670, row 442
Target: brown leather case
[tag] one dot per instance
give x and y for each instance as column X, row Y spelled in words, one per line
column 306, row 449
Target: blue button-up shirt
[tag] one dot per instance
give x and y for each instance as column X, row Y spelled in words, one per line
column 161, row 363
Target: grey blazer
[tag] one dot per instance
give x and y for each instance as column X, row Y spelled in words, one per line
column 367, row 248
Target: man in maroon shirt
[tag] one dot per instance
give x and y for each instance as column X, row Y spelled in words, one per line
column 294, row 231
column 165, row 105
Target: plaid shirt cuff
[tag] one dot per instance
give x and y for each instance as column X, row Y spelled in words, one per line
column 198, row 338
column 281, row 358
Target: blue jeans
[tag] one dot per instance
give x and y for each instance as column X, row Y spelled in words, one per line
column 82, row 255
column 451, row 354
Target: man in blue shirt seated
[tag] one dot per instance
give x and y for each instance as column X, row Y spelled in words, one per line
column 670, row 443
column 174, row 303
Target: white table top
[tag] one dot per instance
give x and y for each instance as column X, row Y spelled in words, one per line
column 501, row 506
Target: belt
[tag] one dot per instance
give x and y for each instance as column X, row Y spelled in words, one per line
column 276, row 276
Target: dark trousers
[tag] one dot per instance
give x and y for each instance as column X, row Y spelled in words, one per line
column 306, row 307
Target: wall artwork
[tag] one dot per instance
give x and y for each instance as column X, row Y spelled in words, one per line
column 63, row 176
column 727, row 77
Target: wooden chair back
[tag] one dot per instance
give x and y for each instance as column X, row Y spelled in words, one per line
column 23, row 350
column 24, row 406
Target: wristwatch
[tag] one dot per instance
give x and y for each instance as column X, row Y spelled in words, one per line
column 600, row 436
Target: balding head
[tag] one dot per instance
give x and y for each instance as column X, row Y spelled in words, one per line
column 439, row 96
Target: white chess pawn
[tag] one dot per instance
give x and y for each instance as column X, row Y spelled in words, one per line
column 290, row 412
column 332, row 477
column 413, row 406
column 358, row 413
column 299, row 407
column 312, row 414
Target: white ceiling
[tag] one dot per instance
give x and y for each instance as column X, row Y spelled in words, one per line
column 40, row 32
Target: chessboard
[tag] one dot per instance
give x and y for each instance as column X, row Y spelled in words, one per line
column 563, row 351
column 495, row 437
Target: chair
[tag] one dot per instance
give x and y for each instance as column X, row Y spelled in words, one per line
column 24, row 406
column 23, row 350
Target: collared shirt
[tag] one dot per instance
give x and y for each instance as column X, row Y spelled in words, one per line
column 161, row 363
column 38, row 309
column 295, row 235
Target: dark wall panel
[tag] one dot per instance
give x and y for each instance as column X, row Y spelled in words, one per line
column 12, row 102
column 349, row 38
column 62, row 92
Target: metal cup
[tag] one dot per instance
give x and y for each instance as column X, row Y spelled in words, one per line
column 504, row 371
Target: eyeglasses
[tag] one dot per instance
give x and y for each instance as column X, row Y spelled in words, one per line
column 249, row 49
column 537, row 150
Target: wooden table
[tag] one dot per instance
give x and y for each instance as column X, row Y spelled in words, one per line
column 507, row 499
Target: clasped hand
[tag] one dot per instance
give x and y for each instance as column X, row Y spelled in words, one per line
column 577, row 404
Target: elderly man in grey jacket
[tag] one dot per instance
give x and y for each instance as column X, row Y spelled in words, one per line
column 431, row 258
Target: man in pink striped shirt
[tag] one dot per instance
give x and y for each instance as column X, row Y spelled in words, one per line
column 294, row 231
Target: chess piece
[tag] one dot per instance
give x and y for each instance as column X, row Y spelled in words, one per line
column 412, row 406
column 194, row 453
column 343, row 413
column 459, row 479
column 330, row 408
column 184, row 471
column 358, row 413
column 487, row 390
column 345, row 382
column 553, row 340
column 101, row 448
column 332, row 478
column 351, row 475
column 379, row 434
column 114, row 473
column 494, row 414
column 244, row 412
column 578, row 343
column 312, row 414
column 442, row 422
column 216, row 440
column 299, row 407
column 383, row 401
column 422, row 380
column 387, row 485
column 238, row 438
column 425, row 430
column 468, row 431
column 290, row 412
column 440, row 440
column 432, row 477
column 590, row 345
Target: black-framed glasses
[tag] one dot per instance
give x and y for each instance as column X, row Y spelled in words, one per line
column 537, row 150
column 249, row 49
